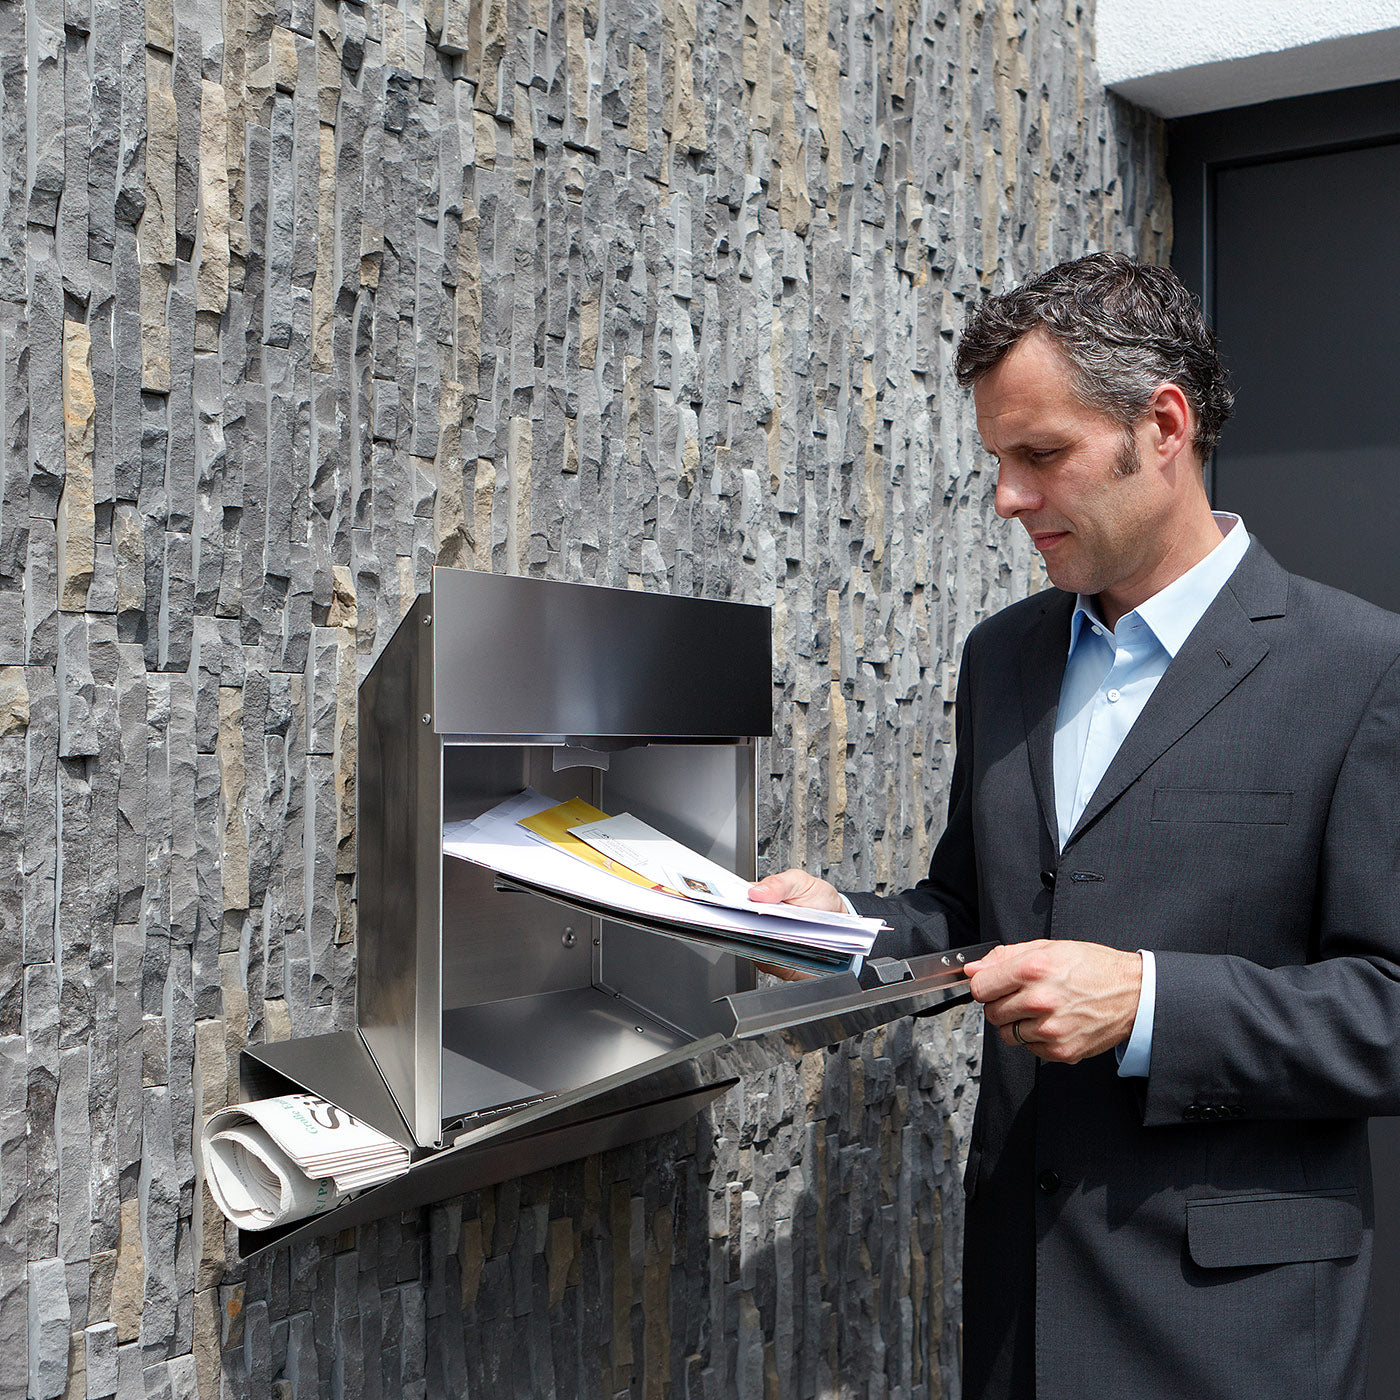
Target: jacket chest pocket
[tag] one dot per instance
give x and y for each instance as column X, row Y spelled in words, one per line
column 1228, row 806
column 1238, row 1232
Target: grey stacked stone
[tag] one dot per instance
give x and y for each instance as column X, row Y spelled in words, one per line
column 299, row 298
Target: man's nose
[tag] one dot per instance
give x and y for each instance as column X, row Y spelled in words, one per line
column 1013, row 495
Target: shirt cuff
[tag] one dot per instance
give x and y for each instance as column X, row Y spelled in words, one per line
column 1135, row 1058
column 849, row 907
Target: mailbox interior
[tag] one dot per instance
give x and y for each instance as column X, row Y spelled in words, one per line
column 538, row 998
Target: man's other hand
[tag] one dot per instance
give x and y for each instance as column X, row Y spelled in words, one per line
column 799, row 888
column 1067, row 1000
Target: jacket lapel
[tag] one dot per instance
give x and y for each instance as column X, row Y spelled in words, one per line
column 1223, row 648
column 1043, row 655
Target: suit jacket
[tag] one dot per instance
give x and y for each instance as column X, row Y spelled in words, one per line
column 1204, row 1232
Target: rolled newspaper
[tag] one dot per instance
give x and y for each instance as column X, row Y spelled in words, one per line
column 275, row 1160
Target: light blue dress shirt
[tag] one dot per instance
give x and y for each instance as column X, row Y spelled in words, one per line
column 1109, row 677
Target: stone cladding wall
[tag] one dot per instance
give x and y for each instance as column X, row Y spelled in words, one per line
column 300, row 296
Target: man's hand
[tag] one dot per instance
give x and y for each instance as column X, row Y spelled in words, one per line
column 1067, row 1000
column 806, row 891
column 797, row 887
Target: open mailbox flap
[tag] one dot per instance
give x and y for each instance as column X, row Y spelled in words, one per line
column 657, row 1095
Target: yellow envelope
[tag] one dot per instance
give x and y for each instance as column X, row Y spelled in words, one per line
column 554, row 823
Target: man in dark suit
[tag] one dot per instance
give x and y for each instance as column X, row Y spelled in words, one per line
column 1176, row 801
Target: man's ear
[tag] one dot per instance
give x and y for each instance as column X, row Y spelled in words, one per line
column 1170, row 424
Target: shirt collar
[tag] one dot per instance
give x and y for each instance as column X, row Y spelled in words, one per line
column 1172, row 613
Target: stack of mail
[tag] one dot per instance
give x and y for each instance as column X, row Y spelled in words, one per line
column 621, row 868
column 275, row 1160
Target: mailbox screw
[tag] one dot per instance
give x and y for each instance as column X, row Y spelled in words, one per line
column 639, row 1030
column 427, row 719
column 569, row 940
column 427, row 619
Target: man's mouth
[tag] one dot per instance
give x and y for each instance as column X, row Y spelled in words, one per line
column 1047, row 539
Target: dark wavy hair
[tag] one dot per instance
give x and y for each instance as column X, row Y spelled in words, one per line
column 1125, row 327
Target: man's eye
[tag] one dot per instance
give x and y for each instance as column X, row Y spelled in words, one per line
column 1043, row 454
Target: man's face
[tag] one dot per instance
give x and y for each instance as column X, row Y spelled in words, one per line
column 1061, row 473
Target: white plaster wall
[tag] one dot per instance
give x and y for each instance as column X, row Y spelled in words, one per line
column 1176, row 57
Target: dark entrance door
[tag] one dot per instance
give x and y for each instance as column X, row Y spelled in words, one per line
column 1307, row 307
column 1288, row 219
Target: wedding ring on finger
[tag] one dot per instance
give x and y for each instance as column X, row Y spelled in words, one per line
column 1016, row 1031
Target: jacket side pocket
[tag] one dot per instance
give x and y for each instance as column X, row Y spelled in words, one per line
column 1237, row 1232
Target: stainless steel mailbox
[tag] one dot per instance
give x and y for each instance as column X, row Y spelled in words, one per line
column 499, row 1031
